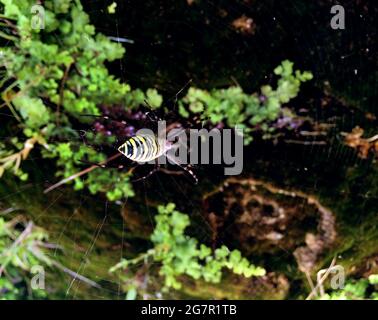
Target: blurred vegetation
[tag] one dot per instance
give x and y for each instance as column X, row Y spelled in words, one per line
column 180, row 254
column 22, row 247
column 359, row 289
column 53, row 74
column 52, row 78
column 249, row 112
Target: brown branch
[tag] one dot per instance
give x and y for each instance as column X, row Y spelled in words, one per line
column 323, row 278
column 61, row 92
column 75, row 275
column 79, row 174
column 306, row 143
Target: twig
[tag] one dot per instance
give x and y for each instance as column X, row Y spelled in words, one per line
column 79, row 174
column 235, row 81
column 8, row 23
column 312, row 133
column 310, row 282
column 7, row 211
column 75, row 275
column 323, row 278
column 372, row 139
column 3, row 16
column 20, row 238
column 67, row 270
column 8, row 37
column 306, row 143
column 61, row 91
column 15, row 159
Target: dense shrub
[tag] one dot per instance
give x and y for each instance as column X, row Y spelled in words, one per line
column 179, row 254
column 54, row 75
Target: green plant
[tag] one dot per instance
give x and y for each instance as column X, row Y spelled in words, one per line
column 180, row 254
column 13, row 160
column 356, row 290
column 20, row 250
column 53, row 76
column 237, row 108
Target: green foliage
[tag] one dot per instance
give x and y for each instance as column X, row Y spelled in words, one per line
column 356, row 290
column 237, row 108
column 113, row 183
column 112, row 8
column 12, row 160
column 180, row 254
column 373, row 279
column 56, row 74
column 7, row 290
column 63, row 63
column 19, row 252
column 154, row 99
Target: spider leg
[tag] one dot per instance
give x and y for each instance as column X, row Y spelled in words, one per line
column 104, row 166
column 107, row 118
column 151, row 114
column 157, row 167
column 178, row 93
column 104, row 117
column 186, row 168
column 97, row 146
column 94, row 164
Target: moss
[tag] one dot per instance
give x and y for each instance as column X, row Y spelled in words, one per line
column 89, row 245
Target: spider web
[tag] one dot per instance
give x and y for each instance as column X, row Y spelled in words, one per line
column 106, row 218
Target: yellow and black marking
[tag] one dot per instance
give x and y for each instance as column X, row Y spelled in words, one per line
column 142, row 148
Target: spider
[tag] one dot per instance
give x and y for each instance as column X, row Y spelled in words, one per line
column 144, row 148
column 141, row 148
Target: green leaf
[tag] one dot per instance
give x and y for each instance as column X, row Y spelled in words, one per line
column 373, row 279
column 154, row 99
column 32, row 110
column 131, row 294
column 112, row 8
